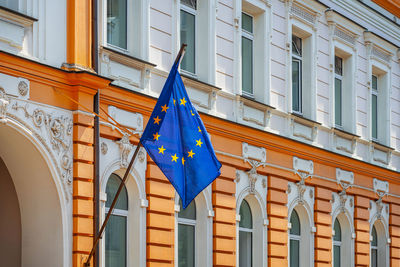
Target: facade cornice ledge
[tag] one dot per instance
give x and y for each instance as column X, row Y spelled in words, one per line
column 332, row 17
column 371, row 38
column 248, row 101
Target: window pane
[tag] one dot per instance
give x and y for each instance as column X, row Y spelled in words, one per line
column 246, row 220
column 338, row 231
column 336, row 256
column 247, row 65
column 296, row 86
column 296, row 46
column 190, row 3
column 374, row 82
column 338, row 65
column 188, row 37
column 374, row 258
column 111, row 190
column 245, row 249
column 116, row 23
column 116, row 242
column 374, row 119
column 247, row 23
column 294, row 253
column 295, row 222
column 189, row 212
column 338, row 102
column 186, row 245
column 374, row 241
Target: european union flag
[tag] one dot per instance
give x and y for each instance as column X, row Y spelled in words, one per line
column 178, row 143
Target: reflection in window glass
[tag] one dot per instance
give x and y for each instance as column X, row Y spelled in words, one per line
column 247, row 54
column 186, row 235
column 188, row 34
column 245, row 235
column 117, row 23
column 374, row 107
column 297, row 53
column 295, row 237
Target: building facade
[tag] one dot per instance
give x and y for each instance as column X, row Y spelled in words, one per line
column 301, row 100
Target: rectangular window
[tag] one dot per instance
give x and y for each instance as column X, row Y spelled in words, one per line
column 115, row 254
column 336, row 256
column 374, row 107
column 297, row 58
column 188, row 34
column 338, row 91
column 294, row 253
column 247, row 54
column 117, row 23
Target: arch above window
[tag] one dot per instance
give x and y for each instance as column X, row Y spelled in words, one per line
column 111, row 190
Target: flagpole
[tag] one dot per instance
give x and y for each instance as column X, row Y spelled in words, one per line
column 128, row 169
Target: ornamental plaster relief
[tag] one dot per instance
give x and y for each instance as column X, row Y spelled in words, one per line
column 51, row 126
column 343, row 203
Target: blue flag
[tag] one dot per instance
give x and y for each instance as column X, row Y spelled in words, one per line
column 177, row 141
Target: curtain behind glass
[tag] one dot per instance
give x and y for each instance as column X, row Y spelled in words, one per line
column 116, row 242
column 186, row 234
column 117, row 23
column 188, row 37
column 245, row 248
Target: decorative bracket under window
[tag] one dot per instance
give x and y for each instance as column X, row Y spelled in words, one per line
column 304, row 169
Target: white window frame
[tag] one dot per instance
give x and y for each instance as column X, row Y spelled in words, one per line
column 247, row 230
column 338, row 244
column 250, row 36
column 339, row 77
column 300, row 60
column 105, row 32
column 297, row 238
column 194, row 13
column 375, row 92
column 190, row 222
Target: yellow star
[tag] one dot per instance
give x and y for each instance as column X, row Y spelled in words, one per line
column 199, row 129
column 183, row 101
column 174, row 102
column 161, row 150
column 191, row 153
column 198, row 143
column 183, row 161
column 164, row 108
column 157, row 120
column 174, row 158
column 191, row 112
column 156, row 135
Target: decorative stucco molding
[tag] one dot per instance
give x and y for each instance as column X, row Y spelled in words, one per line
column 254, row 152
column 343, row 203
column 51, row 126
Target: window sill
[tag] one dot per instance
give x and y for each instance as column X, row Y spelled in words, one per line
column 303, row 120
column 193, row 79
column 116, row 54
column 10, row 13
column 345, row 134
column 250, row 101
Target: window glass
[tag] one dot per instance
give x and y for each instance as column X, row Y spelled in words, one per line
column 112, row 186
column 374, row 258
column 186, row 235
column 294, row 253
column 338, row 102
column 115, row 254
column 247, row 23
column 247, row 65
column 295, row 222
column 374, row 241
column 297, row 46
column 338, row 65
column 117, row 23
column 188, row 30
column 189, row 212
column 11, row 4
column 374, row 119
column 374, row 82
column 190, row 3
column 246, row 220
column 296, row 86
column 336, row 256
column 245, row 249
column 338, row 231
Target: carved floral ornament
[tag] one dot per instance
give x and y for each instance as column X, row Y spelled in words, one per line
column 381, row 188
column 52, row 127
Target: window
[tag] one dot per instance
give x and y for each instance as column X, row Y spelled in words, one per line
column 374, row 248
column 337, row 243
column 188, row 34
column 245, row 235
column 374, row 108
column 338, row 91
column 247, row 54
column 297, row 62
column 117, row 23
column 12, row 4
column 186, row 235
column 116, row 230
column 295, row 237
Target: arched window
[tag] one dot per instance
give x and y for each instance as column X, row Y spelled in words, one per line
column 245, row 235
column 295, row 237
column 186, row 235
column 337, row 243
column 116, row 230
column 374, row 248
